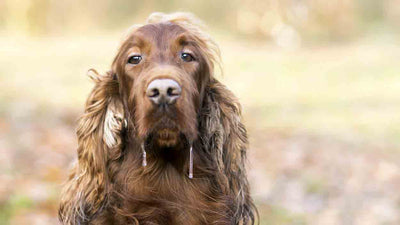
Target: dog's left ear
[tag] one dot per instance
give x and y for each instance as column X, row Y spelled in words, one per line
column 99, row 144
column 225, row 138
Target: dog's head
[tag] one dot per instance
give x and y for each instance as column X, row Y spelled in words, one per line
column 163, row 68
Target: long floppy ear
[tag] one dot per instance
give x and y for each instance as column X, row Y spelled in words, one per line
column 225, row 138
column 99, row 143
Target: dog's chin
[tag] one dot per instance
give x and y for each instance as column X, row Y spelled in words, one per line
column 165, row 138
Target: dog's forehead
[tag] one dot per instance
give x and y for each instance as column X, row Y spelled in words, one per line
column 159, row 32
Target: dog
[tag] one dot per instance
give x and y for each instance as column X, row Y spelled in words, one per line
column 161, row 140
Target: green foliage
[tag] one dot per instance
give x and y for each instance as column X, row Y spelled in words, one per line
column 279, row 216
column 12, row 205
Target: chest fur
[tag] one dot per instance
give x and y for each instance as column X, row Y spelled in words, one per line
column 169, row 198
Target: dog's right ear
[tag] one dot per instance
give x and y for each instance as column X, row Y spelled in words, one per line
column 99, row 143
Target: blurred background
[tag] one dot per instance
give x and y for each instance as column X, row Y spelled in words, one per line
column 319, row 82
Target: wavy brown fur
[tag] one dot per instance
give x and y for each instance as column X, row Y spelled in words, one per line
column 108, row 185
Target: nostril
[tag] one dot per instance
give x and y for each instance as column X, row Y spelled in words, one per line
column 172, row 92
column 154, row 93
column 169, row 92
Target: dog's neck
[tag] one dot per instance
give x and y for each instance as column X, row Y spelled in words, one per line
column 165, row 157
column 158, row 159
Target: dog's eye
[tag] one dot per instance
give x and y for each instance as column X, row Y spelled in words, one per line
column 187, row 57
column 135, row 59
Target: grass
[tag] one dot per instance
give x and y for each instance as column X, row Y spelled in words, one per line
column 279, row 216
column 14, row 204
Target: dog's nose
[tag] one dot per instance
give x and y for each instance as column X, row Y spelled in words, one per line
column 161, row 91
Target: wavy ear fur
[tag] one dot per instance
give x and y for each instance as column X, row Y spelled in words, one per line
column 225, row 138
column 99, row 143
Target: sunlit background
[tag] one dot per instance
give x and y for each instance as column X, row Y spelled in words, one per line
column 319, row 82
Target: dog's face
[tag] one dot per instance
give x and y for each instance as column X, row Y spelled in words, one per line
column 162, row 69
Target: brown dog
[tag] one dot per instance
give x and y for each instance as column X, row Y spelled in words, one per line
column 161, row 140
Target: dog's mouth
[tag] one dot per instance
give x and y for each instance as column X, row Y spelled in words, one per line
column 167, row 138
